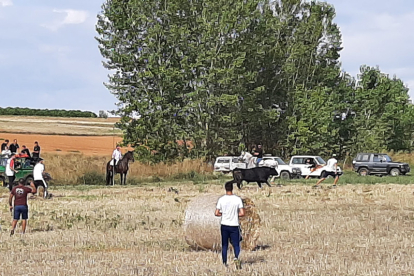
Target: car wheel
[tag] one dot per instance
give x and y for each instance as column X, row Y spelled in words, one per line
column 28, row 180
column 394, row 172
column 363, row 172
column 285, row 175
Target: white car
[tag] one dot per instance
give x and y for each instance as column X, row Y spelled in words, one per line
column 299, row 161
column 284, row 170
column 226, row 164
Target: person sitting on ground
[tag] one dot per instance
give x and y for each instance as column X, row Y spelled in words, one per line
column 21, row 209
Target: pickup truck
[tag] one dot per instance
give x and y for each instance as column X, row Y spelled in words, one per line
column 299, row 161
column 284, row 170
column 378, row 164
column 22, row 165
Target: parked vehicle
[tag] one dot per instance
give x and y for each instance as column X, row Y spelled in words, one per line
column 22, row 165
column 299, row 161
column 284, row 170
column 378, row 164
column 226, row 164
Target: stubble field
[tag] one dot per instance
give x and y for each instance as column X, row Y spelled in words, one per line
column 350, row 230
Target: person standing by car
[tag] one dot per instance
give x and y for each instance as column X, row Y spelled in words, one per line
column 258, row 153
column 6, row 152
column 331, row 169
column 10, row 171
column 4, row 145
column 230, row 208
column 14, row 147
column 21, row 209
column 36, row 151
column 38, row 176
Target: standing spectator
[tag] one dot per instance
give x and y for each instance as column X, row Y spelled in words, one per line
column 230, row 208
column 6, row 152
column 21, row 209
column 331, row 169
column 258, row 153
column 25, row 151
column 10, row 171
column 39, row 180
column 5, row 144
column 36, row 151
column 14, row 147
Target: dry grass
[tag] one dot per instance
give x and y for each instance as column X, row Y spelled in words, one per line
column 71, row 168
column 58, row 125
column 351, row 230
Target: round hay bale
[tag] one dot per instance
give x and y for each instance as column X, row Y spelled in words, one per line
column 202, row 227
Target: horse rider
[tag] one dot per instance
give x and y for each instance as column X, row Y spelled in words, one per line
column 258, row 153
column 116, row 156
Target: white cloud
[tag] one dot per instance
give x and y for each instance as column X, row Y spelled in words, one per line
column 72, row 17
column 5, row 3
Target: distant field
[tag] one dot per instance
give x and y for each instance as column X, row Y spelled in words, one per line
column 61, row 126
column 90, row 136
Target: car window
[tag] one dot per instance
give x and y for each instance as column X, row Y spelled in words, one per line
column 298, row 160
column 364, row 157
column 377, row 158
column 235, row 160
column 320, row 160
column 387, row 158
column 280, row 161
column 223, row 161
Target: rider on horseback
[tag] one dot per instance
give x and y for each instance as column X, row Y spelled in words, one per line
column 116, row 155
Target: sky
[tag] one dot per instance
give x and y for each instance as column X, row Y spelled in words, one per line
column 50, row 59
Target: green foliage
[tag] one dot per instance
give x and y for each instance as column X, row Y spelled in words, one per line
column 206, row 78
column 20, row 111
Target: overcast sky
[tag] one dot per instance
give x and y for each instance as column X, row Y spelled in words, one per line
column 50, row 59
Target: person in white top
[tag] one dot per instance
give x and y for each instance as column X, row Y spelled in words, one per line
column 230, row 208
column 331, row 169
column 6, row 152
column 117, row 155
column 11, row 171
column 38, row 173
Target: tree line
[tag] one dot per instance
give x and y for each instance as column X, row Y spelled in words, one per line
column 202, row 78
column 22, row 111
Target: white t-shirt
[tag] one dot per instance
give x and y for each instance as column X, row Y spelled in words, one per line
column 330, row 166
column 38, row 171
column 117, row 155
column 229, row 206
column 9, row 171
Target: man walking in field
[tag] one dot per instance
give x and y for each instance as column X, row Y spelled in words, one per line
column 10, row 171
column 38, row 175
column 230, row 208
column 331, row 169
column 21, row 209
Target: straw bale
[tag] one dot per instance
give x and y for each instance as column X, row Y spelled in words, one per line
column 202, row 227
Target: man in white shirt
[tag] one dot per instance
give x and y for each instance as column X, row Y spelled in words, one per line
column 11, row 171
column 116, row 155
column 331, row 169
column 230, row 208
column 38, row 172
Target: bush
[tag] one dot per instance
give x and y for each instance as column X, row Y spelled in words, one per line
column 92, row 178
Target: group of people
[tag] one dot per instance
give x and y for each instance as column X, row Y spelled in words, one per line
column 14, row 148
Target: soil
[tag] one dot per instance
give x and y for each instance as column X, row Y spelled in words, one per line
column 88, row 145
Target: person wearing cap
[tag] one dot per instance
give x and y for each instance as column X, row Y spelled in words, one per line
column 38, row 176
column 21, row 209
column 116, row 155
column 331, row 169
column 11, row 171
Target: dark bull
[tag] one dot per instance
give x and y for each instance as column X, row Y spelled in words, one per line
column 259, row 175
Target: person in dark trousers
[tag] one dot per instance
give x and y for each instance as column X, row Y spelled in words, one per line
column 230, row 208
column 11, row 171
column 36, row 151
column 4, row 145
column 38, row 175
column 21, row 209
column 14, row 147
column 258, row 153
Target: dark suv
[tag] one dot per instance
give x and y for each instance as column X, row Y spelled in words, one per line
column 379, row 164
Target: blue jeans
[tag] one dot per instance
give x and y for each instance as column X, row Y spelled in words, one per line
column 258, row 160
column 21, row 210
column 232, row 233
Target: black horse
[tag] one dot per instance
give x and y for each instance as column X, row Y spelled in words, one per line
column 122, row 168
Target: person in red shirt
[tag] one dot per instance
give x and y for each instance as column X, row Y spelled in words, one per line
column 21, row 209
